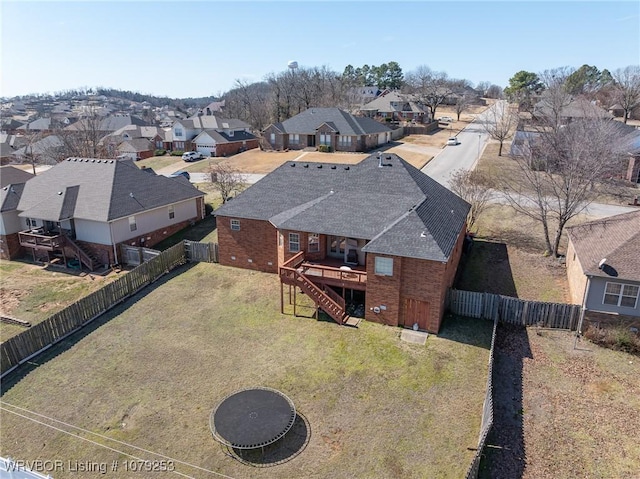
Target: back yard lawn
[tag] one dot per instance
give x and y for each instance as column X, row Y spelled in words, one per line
column 151, row 374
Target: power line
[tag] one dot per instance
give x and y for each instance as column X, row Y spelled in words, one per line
column 104, row 437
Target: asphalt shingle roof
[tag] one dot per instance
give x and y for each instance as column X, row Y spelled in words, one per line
column 10, row 175
column 616, row 238
column 99, row 190
column 400, row 209
column 309, row 120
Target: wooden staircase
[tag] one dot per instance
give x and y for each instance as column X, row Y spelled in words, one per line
column 85, row 257
column 327, row 300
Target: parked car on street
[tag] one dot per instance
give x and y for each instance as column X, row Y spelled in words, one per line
column 192, row 156
column 453, row 141
column 180, row 173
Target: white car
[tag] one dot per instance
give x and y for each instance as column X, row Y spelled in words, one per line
column 192, row 156
column 445, row 119
column 453, row 141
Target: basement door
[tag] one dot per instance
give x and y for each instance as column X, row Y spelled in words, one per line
column 416, row 311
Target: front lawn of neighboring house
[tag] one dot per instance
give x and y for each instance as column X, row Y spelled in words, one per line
column 150, row 372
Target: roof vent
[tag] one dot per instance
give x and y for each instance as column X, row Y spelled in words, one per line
column 306, row 166
column 423, row 235
column 93, row 161
column 320, row 165
column 99, row 161
column 131, row 195
column 293, row 165
column 346, row 167
column 59, row 193
column 333, row 167
column 110, row 161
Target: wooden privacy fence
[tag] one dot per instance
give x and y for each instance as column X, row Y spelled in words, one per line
column 487, row 412
column 513, row 310
column 32, row 341
column 196, row 251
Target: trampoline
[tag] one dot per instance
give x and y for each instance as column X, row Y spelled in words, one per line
column 252, row 418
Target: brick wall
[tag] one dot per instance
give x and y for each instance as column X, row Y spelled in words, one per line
column 256, row 241
column 575, row 275
column 228, row 149
column 10, row 246
column 383, row 292
column 424, row 281
column 633, row 170
column 283, row 249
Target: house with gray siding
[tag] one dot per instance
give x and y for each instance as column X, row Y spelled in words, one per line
column 84, row 208
column 12, row 182
column 603, row 266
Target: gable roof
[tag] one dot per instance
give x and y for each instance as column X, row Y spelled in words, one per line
column 308, row 121
column 394, row 101
column 12, row 182
column 99, row 190
column 222, row 137
column 136, row 145
column 400, row 209
column 616, row 238
column 213, row 122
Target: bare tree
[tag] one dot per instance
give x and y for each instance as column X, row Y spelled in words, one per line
column 31, row 138
column 226, row 179
column 475, row 188
column 627, row 88
column 431, row 88
column 561, row 169
column 83, row 138
column 462, row 104
column 500, row 122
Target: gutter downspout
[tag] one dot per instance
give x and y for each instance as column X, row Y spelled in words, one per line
column 585, row 297
column 115, row 250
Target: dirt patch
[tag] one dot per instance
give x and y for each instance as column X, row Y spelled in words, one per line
column 10, row 299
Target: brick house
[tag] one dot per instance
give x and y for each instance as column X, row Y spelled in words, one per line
column 224, row 143
column 603, row 267
column 392, row 105
column 331, row 127
column 12, row 182
column 84, row 208
column 379, row 231
column 184, row 132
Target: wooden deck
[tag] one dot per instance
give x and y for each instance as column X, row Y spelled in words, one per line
column 335, row 273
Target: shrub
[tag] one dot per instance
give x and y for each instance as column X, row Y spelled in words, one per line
column 177, row 153
column 324, row 148
column 160, row 152
column 619, row 338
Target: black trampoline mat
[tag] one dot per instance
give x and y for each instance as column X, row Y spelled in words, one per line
column 253, row 418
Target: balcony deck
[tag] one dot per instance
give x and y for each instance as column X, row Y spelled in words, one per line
column 335, row 273
column 37, row 239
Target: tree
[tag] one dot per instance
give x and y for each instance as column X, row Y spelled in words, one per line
column 561, row 169
column 226, row 179
column 431, row 88
column 500, row 122
column 627, row 88
column 587, row 80
column 462, row 103
column 494, row 91
column 473, row 187
column 522, row 86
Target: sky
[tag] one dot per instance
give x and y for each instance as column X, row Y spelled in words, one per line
column 193, row 49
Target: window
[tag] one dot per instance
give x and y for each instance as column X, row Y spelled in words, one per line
column 619, row 294
column 294, row 242
column 179, row 132
column 132, row 223
column 235, row 225
column 344, row 140
column 294, row 139
column 272, row 138
column 384, row 266
column 325, row 139
column 314, row 242
column 172, row 213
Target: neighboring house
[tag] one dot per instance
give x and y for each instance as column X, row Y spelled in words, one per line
column 48, row 150
column 12, row 182
column 522, row 143
column 84, row 208
column 220, row 143
column 108, row 124
column 185, row 131
column 164, row 139
column 603, row 266
column 137, row 149
column 618, row 112
column 6, row 153
column 41, row 124
column 211, row 109
column 396, row 106
column 575, row 109
column 334, row 128
column 379, row 229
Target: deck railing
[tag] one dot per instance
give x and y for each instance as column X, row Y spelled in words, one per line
column 327, row 272
column 39, row 240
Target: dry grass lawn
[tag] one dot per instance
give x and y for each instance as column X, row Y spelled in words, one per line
column 567, row 412
column 151, row 372
column 33, row 293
